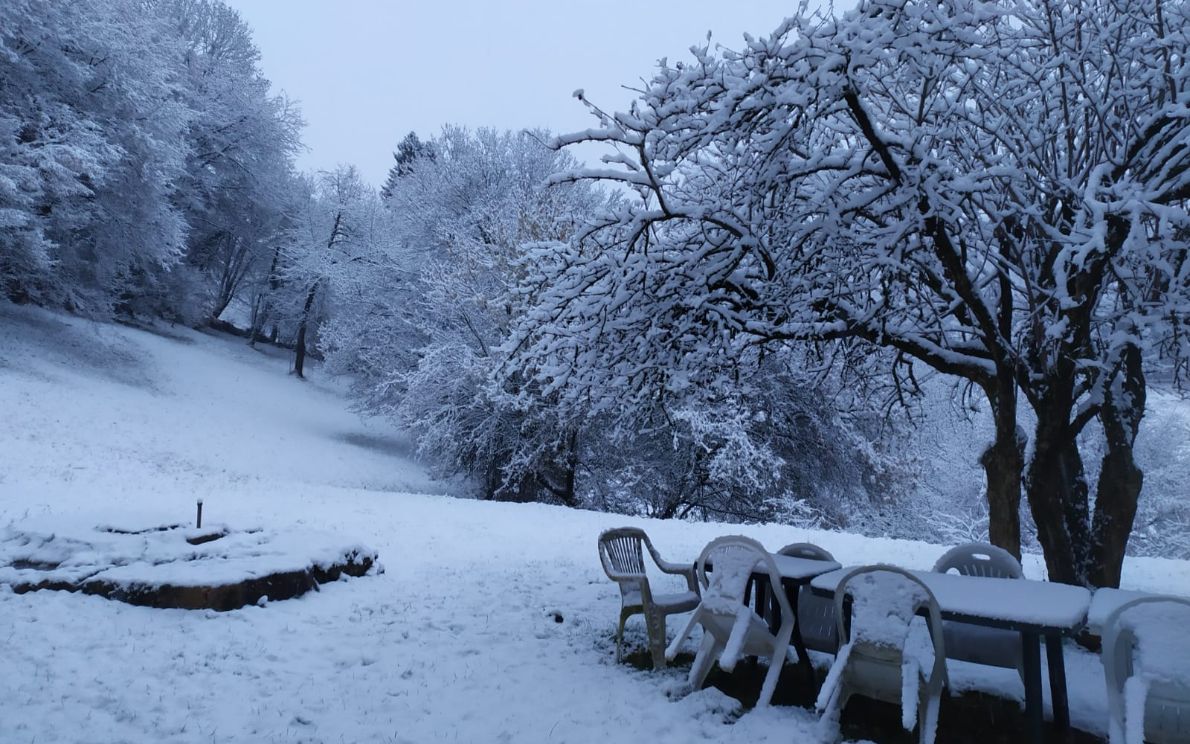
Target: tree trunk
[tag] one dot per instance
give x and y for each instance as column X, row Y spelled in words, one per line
column 299, row 355
column 256, row 329
column 566, row 491
column 1120, row 480
column 1057, row 491
column 263, row 304
column 1003, row 462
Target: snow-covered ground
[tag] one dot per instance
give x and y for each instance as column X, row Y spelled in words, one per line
column 456, row 641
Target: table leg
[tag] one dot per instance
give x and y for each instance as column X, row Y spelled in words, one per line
column 1057, row 670
column 1031, row 655
column 799, row 644
column 762, row 601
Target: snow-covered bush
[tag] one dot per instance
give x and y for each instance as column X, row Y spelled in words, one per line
column 136, row 138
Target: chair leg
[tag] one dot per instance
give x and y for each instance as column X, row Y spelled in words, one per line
column 776, row 661
column 828, row 721
column 770, row 681
column 707, row 653
column 672, row 651
column 927, row 717
column 655, row 626
column 620, row 636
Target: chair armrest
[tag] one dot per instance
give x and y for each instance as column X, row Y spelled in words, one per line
column 676, row 569
column 620, row 577
column 679, row 569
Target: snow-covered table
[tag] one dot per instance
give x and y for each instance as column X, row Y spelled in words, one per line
column 1033, row 608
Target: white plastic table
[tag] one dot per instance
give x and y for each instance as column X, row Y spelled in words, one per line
column 1033, row 608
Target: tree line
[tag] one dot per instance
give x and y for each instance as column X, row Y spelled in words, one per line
column 735, row 315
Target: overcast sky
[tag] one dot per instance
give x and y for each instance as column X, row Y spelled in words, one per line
column 367, row 71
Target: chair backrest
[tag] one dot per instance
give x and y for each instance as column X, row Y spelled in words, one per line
column 979, row 559
column 884, row 601
column 734, row 558
column 621, row 552
column 806, row 550
column 1119, row 643
column 815, row 615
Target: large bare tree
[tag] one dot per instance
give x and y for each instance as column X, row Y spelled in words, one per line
column 994, row 190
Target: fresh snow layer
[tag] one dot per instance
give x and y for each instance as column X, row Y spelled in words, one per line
column 456, row 641
column 72, row 548
column 1023, row 601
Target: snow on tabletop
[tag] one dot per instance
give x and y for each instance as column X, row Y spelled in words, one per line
column 69, row 549
column 791, row 567
column 1041, row 603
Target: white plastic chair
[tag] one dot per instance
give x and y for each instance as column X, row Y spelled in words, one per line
column 815, row 615
column 873, row 661
column 620, row 551
column 731, row 629
column 1147, row 704
column 975, row 643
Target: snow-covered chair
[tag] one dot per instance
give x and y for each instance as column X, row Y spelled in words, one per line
column 976, row 643
column 731, row 629
column 873, row 660
column 621, row 551
column 815, row 615
column 1146, row 664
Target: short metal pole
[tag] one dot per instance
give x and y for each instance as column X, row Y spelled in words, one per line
column 199, row 521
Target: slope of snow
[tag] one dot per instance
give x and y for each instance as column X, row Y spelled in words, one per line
column 456, row 641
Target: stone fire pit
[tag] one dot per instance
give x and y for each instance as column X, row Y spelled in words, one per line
column 171, row 565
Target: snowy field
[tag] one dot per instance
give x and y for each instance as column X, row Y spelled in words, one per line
column 456, row 641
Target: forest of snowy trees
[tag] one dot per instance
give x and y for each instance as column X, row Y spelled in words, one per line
column 789, row 252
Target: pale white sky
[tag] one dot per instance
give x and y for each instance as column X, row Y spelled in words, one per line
column 368, row 71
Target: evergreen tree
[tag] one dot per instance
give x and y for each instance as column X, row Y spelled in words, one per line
column 409, row 151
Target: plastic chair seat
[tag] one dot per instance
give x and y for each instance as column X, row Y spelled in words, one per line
column 677, row 602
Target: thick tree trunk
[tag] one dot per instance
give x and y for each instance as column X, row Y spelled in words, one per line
column 1120, row 480
column 1057, row 491
column 1003, row 462
column 565, row 487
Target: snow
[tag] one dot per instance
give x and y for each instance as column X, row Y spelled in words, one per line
column 1162, row 649
column 456, row 641
column 144, row 554
column 1107, row 601
column 792, row 567
column 884, row 605
column 1022, row 602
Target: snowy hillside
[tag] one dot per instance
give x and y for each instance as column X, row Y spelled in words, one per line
column 457, row 641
